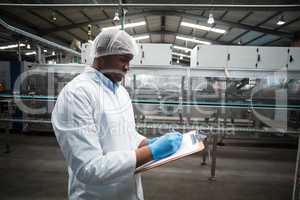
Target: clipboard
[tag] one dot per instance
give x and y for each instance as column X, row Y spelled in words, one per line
column 191, row 143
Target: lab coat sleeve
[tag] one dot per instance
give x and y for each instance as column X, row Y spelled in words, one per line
column 139, row 138
column 76, row 133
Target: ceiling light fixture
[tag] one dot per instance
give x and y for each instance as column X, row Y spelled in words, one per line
column 182, row 48
column 53, row 16
column 30, row 53
column 53, row 53
column 281, row 21
column 28, row 46
column 11, row 46
column 142, row 37
column 116, row 18
column 130, row 25
column 192, row 40
column 205, row 28
column 211, row 19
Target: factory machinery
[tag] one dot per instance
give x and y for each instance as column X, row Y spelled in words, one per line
column 247, row 92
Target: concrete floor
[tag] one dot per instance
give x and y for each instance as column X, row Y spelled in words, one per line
column 36, row 170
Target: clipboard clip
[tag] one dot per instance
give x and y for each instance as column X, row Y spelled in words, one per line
column 198, row 136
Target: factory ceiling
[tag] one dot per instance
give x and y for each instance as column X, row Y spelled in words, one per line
column 238, row 22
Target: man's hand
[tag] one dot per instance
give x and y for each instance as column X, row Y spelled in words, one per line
column 165, row 145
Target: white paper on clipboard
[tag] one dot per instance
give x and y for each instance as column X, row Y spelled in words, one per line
column 191, row 143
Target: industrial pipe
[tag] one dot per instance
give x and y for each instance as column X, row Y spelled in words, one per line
column 37, row 38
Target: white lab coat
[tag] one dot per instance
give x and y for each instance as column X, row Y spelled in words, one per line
column 94, row 125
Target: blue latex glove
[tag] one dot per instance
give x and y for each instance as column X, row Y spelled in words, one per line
column 165, row 145
column 150, row 141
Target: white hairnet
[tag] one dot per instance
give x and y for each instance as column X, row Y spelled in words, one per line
column 113, row 42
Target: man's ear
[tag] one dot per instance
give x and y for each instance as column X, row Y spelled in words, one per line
column 98, row 62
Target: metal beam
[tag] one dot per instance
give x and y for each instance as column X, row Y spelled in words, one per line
column 4, row 39
column 105, row 13
column 46, row 20
column 259, row 24
column 256, row 38
column 242, row 19
column 19, row 20
column 147, row 28
column 170, row 6
column 284, row 25
column 197, row 22
column 237, row 25
column 29, row 25
column 86, row 16
column 177, row 29
column 270, row 42
column 69, row 20
column 175, row 13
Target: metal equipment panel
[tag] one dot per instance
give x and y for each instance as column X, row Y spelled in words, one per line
column 294, row 58
column 242, row 57
column 272, row 57
column 154, row 54
column 210, row 56
column 137, row 58
column 86, row 53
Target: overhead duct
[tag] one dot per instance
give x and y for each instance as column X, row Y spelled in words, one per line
column 281, row 7
column 37, row 38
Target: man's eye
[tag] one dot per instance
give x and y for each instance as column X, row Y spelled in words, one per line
column 124, row 60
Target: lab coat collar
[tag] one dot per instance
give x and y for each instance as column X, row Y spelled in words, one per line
column 99, row 77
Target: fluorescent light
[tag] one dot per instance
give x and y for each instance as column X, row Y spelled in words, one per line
column 180, row 55
column 45, row 50
column 280, row 21
column 30, row 53
column 205, row 28
column 53, row 53
column 53, row 16
column 211, row 19
column 192, row 40
column 28, row 46
column 142, row 37
column 182, row 48
column 130, row 25
column 11, row 46
column 142, row 23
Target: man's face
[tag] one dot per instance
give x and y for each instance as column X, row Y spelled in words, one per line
column 115, row 66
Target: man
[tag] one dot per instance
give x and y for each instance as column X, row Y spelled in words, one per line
column 94, row 124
